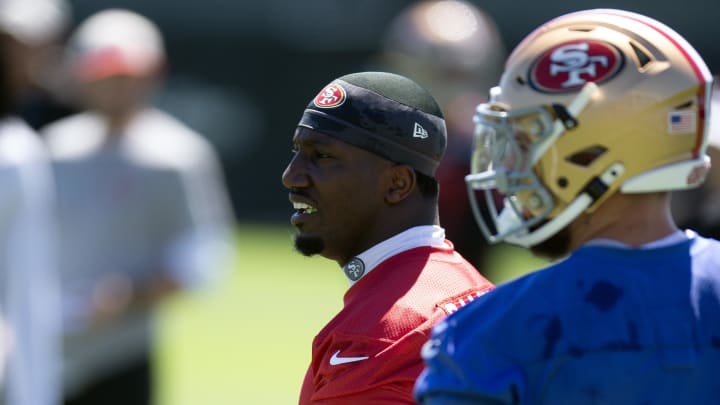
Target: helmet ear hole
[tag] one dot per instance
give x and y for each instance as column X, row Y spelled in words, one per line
column 685, row 105
column 587, row 156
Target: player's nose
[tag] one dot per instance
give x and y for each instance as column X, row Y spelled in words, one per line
column 295, row 175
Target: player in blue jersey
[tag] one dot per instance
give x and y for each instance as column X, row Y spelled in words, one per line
column 598, row 116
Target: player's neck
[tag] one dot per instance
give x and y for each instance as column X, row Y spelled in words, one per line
column 634, row 220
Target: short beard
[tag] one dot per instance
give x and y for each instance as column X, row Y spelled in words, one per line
column 309, row 245
column 554, row 248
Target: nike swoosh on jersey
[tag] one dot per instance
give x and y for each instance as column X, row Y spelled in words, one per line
column 335, row 360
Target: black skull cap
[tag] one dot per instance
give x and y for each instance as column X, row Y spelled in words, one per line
column 384, row 113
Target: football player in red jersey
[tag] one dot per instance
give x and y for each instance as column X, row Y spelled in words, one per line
column 362, row 183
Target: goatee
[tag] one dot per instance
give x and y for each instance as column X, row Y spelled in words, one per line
column 309, row 245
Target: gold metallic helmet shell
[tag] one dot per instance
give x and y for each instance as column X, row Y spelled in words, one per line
column 622, row 100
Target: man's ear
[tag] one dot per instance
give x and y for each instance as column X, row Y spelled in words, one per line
column 402, row 183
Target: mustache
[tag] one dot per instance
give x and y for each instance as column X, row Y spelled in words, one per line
column 298, row 193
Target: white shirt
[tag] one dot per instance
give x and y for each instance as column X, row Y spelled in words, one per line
column 148, row 201
column 29, row 288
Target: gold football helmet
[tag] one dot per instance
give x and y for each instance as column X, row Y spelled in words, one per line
column 591, row 103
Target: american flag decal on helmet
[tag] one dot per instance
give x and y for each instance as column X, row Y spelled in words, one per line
column 452, row 304
column 682, row 122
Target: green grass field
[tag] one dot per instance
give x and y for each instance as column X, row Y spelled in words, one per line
column 247, row 340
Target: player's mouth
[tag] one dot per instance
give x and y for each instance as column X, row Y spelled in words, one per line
column 303, row 211
column 304, row 208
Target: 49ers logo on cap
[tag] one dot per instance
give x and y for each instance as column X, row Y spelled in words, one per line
column 330, row 96
column 569, row 66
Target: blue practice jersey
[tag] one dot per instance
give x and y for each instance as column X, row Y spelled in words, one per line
column 605, row 326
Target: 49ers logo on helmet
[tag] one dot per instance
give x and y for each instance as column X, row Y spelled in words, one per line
column 569, row 66
column 330, row 96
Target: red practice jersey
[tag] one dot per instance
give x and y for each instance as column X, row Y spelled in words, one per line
column 369, row 353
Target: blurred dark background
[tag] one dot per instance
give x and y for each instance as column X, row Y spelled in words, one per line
column 241, row 72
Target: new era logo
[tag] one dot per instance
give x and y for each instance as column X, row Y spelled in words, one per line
column 419, row 132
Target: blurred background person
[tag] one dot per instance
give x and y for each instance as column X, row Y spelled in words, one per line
column 455, row 50
column 143, row 208
column 41, row 27
column 699, row 208
column 29, row 283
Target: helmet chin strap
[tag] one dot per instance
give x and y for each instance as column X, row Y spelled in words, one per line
column 591, row 193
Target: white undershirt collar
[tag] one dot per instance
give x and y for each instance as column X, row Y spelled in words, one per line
column 425, row 235
column 672, row 239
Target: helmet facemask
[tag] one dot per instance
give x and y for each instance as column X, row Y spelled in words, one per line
column 501, row 169
column 508, row 198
